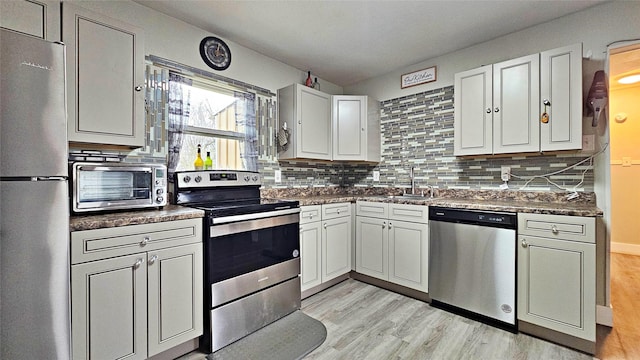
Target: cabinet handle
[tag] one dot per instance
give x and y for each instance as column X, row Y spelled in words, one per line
column 300, row 122
column 325, row 225
column 546, row 102
column 144, row 241
column 524, row 243
column 384, row 224
column 496, row 109
column 554, row 229
column 138, row 263
column 138, row 88
column 488, row 110
column 389, row 224
column 152, row 260
column 338, row 211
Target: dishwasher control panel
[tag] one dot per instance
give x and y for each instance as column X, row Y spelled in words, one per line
column 487, row 218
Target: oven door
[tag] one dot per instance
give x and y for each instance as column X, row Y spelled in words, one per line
column 246, row 256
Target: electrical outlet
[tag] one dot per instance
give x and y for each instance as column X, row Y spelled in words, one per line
column 376, row 175
column 278, row 176
column 588, row 142
column 505, row 173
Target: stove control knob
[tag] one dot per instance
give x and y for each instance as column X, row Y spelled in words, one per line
column 186, row 178
column 159, row 191
column 254, row 178
column 198, row 178
column 159, row 199
column 247, row 178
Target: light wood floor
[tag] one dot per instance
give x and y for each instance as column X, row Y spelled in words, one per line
column 623, row 340
column 366, row 322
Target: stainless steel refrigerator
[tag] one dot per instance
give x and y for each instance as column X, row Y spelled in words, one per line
column 34, row 204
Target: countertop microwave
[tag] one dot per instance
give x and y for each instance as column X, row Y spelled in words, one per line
column 97, row 186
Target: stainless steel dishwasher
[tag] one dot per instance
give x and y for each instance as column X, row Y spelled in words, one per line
column 472, row 264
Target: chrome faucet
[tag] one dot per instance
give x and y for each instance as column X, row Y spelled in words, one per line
column 413, row 181
column 430, row 188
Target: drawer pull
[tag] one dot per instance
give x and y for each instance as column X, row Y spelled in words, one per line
column 152, row 260
column 138, row 263
column 524, row 243
column 144, row 241
column 554, row 229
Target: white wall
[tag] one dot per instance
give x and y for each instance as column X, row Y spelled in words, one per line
column 176, row 40
column 594, row 27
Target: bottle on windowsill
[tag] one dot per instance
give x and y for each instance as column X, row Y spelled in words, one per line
column 308, row 82
column 198, row 164
column 316, row 84
column 208, row 163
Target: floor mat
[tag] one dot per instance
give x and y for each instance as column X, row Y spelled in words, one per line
column 291, row 337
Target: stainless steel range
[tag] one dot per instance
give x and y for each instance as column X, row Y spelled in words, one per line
column 252, row 262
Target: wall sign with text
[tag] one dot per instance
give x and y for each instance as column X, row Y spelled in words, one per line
column 418, row 77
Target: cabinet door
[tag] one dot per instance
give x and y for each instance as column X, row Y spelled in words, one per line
column 561, row 84
column 372, row 247
column 314, row 124
column 310, row 252
column 105, row 59
column 409, row 254
column 516, row 94
column 336, row 247
column 175, row 283
column 29, row 17
column 556, row 285
column 109, row 308
column 349, row 127
column 473, row 112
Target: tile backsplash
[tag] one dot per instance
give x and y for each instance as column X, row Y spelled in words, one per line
column 417, row 131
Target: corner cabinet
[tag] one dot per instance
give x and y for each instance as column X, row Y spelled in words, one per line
column 392, row 243
column 307, row 115
column 136, row 290
column 328, row 127
column 556, row 278
column 356, row 128
column 499, row 108
column 325, row 244
column 105, row 78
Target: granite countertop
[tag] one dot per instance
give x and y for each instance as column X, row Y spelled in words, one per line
column 98, row 221
column 522, row 202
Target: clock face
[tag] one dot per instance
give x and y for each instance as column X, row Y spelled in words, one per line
column 215, row 53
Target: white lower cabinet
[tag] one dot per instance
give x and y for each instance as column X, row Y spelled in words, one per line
column 392, row 243
column 325, row 243
column 556, row 274
column 141, row 303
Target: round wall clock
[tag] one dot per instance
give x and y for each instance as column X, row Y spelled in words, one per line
column 215, row 53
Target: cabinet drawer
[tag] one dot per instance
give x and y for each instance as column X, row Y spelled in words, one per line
column 89, row 245
column 372, row 209
column 408, row 212
column 332, row 211
column 309, row 213
column 573, row 228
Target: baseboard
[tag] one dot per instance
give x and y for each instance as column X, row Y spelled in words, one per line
column 604, row 315
column 624, row 248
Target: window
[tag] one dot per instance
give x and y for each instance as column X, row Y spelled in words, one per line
column 221, row 120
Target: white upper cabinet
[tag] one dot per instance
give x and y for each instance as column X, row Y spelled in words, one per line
column 500, row 108
column 473, row 115
column 105, row 78
column 307, row 115
column 325, row 127
column 356, row 128
column 40, row 18
column 561, row 85
column 516, row 96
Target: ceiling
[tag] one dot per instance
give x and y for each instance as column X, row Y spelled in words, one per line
column 346, row 42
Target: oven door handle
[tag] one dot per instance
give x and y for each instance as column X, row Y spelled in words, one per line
column 255, row 224
column 254, row 216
